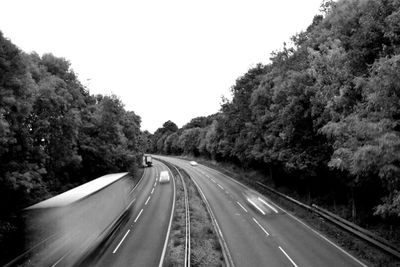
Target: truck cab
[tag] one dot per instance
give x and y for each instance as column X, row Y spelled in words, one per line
column 148, row 161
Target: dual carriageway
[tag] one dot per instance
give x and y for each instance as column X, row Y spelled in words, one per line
column 251, row 235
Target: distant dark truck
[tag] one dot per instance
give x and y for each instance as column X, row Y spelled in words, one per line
column 147, row 161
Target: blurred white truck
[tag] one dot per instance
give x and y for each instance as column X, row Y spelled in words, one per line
column 75, row 222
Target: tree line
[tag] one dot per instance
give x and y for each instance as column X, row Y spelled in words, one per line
column 55, row 135
column 323, row 117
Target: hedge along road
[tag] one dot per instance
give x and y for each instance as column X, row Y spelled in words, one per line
column 140, row 242
column 262, row 236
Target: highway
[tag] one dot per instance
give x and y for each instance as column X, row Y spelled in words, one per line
column 140, row 241
column 271, row 237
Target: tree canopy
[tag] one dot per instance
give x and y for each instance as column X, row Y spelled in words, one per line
column 54, row 135
column 324, row 113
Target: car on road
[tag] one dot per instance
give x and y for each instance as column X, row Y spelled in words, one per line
column 164, row 177
column 193, row 163
column 259, row 204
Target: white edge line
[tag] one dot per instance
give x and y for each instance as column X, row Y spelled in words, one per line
column 287, row 256
column 57, row 262
column 241, row 206
column 137, row 217
column 292, row 216
column 326, row 239
column 257, row 207
column 120, row 242
column 216, row 227
column 265, row 202
column 136, row 185
column 262, row 228
column 160, row 264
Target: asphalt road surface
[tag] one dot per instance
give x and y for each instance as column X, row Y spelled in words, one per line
column 262, row 236
column 140, row 240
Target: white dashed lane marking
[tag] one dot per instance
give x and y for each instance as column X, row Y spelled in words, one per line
column 147, row 200
column 137, row 217
column 287, row 256
column 262, row 228
column 241, row 206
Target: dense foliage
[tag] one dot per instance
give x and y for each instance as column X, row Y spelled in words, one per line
column 54, row 135
column 323, row 117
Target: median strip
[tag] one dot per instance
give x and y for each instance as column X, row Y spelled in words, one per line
column 205, row 248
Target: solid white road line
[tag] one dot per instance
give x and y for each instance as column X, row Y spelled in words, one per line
column 324, row 238
column 265, row 202
column 133, row 200
column 257, row 207
column 259, row 225
column 147, row 200
column 220, row 186
column 137, row 217
column 57, row 262
column 295, row 218
column 120, row 242
column 288, row 256
column 160, row 264
column 152, row 191
column 241, row 206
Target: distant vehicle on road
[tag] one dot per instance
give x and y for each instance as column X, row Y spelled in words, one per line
column 147, row 161
column 164, row 177
column 259, row 204
column 193, row 163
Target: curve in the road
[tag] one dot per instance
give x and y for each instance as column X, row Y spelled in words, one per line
column 255, row 238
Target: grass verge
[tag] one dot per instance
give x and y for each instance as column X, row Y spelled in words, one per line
column 205, row 247
column 175, row 254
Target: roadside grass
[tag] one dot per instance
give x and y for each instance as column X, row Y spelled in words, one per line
column 361, row 249
column 205, row 247
column 175, row 254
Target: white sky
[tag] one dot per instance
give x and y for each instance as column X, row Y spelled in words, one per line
column 167, row 59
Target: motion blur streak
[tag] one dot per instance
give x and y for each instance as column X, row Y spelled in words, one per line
column 79, row 219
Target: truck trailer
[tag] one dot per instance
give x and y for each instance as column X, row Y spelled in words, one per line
column 72, row 224
column 147, row 161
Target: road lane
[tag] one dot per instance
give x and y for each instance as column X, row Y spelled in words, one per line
column 246, row 245
column 141, row 240
column 281, row 239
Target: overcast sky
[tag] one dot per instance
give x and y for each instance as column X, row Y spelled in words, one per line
column 166, row 60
